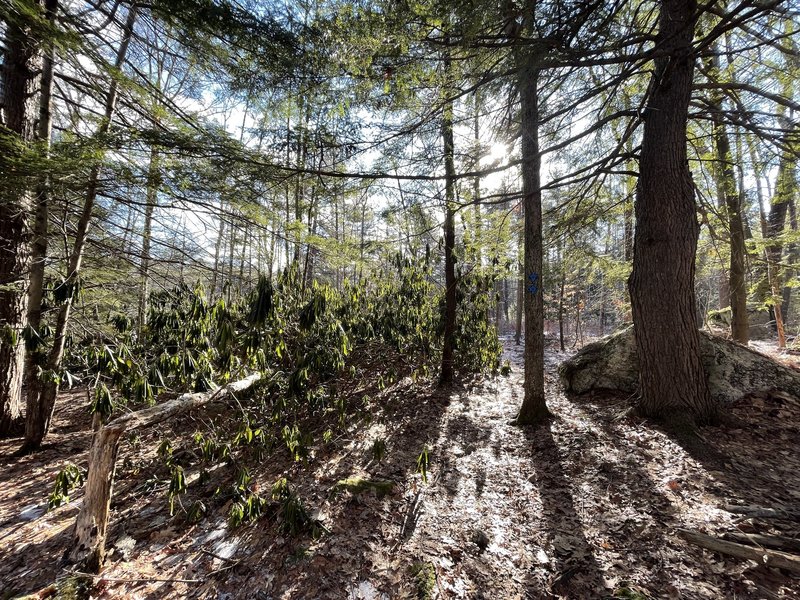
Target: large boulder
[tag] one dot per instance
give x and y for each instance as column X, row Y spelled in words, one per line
column 733, row 370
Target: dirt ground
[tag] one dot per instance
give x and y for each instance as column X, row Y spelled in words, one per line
column 584, row 507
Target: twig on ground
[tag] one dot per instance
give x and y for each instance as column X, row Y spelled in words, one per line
column 137, row 579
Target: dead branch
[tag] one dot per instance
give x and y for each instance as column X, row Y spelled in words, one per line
column 772, row 558
column 761, row 512
column 778, row 542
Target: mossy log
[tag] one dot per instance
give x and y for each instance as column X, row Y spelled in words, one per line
column 733, row 370
column 358, row 485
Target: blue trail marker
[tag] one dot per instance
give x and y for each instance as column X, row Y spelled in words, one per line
column 533, row 287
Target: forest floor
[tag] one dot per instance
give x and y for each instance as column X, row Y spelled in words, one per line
column 586, row 506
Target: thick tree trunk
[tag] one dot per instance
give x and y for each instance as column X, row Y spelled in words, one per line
column 534, row 409
column 673, row 383
column 20, row 77
column 448, row 349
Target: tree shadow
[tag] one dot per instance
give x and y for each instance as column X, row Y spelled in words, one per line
column 748, row 453
column 572, row 561
column 742, row 469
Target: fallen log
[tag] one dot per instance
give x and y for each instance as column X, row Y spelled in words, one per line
column 761, row 512
column 88, row 549
column 734, row 371
column 771, row 558
column 777, row 542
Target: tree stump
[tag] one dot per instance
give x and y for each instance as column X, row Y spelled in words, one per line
column 88, row 550
column 733, row 370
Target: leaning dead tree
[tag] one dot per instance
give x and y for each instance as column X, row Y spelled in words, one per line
column 733, row 370
column 88, row 549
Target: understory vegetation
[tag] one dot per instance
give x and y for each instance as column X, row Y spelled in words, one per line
column 319, row 350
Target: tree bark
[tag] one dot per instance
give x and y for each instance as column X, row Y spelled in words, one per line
column 730, row 201
column 448, row 348
column 215, row 275
column 153, row 183
column 561, row 340
column 534, row 409
column 792, row 256
column 50, row 388
column 36, row 359
column 520, row 287
column 774, row 248
column 772, row 558
column 20, row 78
column 673, row 384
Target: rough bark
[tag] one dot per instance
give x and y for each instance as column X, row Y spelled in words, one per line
column 730, row 204
column 733, row 370
column 673, row 385
column 448, row 349
column 774, row 248
column 520, row 291
column 785, row 190
column 561, row 340
column 88, row 550
column 20, row 78
column 533, row 409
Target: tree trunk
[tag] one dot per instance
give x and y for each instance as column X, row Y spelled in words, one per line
column 673, row 384
column 520, row 288
column 153, row 182
column 774, row 248
column 448, row 348
column 218, row 264
column 785, row 190
column 730, row 201
column 20, row 78
column 561, row 340
column 534, row 409
column 792, row 256
column 37, row 354
column 476, row 181
column 47, row 399
column 628, row 221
